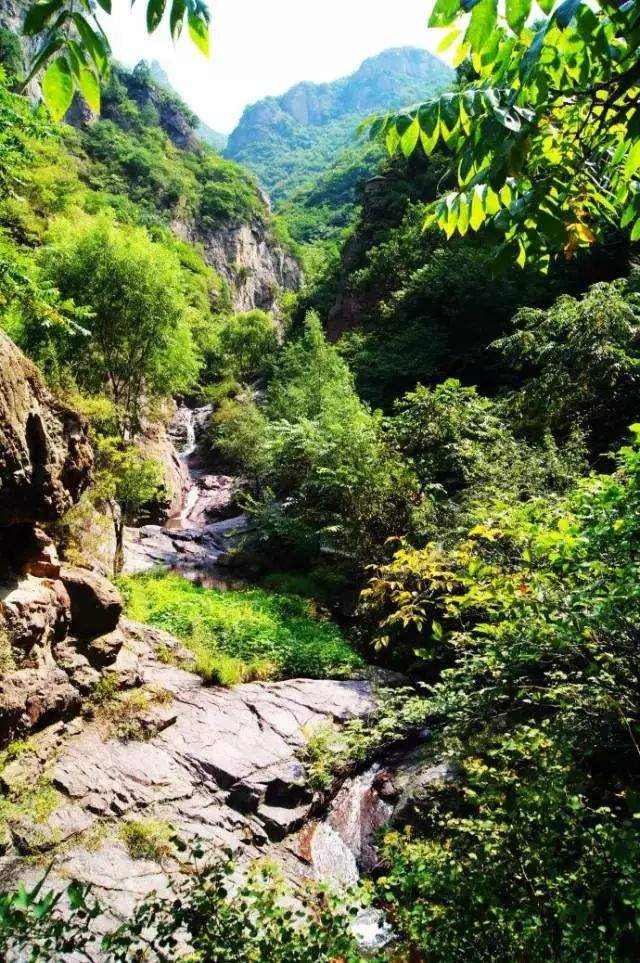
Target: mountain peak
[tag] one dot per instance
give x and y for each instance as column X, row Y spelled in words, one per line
column 314, row 120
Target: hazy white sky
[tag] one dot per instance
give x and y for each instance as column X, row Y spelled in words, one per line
column 262, row 47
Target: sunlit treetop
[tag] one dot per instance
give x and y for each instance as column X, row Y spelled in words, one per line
column 75, row 50
column 546, row 138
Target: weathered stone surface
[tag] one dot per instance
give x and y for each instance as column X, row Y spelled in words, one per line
column 30, row 836
column 33, row 698
column 34, row 613
column 96, row 605
column 104, row 650
column 279, row 821
column 45, row 456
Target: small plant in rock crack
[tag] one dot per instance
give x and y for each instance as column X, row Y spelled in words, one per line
column 148, row 839
column 330, row 752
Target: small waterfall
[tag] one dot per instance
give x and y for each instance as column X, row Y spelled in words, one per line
column 185, row 432
column 331, row 857
column 344, row 844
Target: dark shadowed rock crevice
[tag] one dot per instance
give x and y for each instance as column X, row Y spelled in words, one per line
column 45, row 455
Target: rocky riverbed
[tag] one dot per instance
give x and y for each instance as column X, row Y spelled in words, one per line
column 108, row 726
column 197, row 540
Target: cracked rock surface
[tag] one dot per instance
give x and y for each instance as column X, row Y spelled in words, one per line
column 221, row 769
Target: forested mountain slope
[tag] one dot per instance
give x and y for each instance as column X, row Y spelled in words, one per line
column 286, row 140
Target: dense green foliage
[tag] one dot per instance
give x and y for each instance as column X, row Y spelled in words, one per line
column 241, row 635
column 323, row 478
column 545, row 138
column 137, row 149
column 531, row 853
column 146, row 345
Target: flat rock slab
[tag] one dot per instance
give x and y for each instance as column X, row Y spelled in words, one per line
column 224, row 771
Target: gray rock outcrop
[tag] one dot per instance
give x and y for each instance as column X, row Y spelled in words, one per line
column 220, row 766
column 255, row 266
column 45, row 456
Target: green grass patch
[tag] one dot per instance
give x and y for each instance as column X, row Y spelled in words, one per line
column 147, row 839
column 241, row 635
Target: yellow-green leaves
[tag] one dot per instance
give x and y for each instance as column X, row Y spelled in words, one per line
column 482, row 24
column 89, row 87
column 199, row 33
column 58, row 87
column 517, row 13
column 553, row 106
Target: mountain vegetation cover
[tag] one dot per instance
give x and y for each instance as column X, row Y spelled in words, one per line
column 435, row 442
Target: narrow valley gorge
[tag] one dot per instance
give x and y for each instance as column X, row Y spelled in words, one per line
column 319, row 488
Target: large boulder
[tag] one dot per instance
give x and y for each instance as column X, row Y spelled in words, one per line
column 33, row 614
column 45, row 455
column 32, row 698
column 96, row 605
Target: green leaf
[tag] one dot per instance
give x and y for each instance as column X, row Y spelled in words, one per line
column 477, row 217
column 97, row 45
column 565, row 12
column 532, row 55
column 463, row 215
column 409, row 139
column 199, row 33
column 517, row 13
column 449, row 40
column 482, row 24
column 45, row 53
column 546, row 5
column 155, row 13
column 89, row 88
column 635, row 231
column 444, row 13
column 106, row 5
column 58, row 87
column 176, row 18
column 392, row 140
column 38, row 15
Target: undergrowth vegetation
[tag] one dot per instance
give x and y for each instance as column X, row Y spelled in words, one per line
column 237, row 636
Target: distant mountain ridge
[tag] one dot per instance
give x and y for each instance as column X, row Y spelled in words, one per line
column 285, row 140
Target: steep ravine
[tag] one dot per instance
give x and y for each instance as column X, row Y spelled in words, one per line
column 217, row 765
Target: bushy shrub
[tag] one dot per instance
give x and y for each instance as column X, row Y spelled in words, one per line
column 531, row 854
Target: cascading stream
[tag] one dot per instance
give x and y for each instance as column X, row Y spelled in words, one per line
column 195, row 539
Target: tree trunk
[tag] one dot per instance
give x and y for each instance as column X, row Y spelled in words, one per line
column 118, row 556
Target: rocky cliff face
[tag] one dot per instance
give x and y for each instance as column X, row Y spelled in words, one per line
column 57, row 624
column 45, row 456
column 246, row 256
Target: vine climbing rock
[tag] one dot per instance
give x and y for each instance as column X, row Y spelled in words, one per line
column 45, row 455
